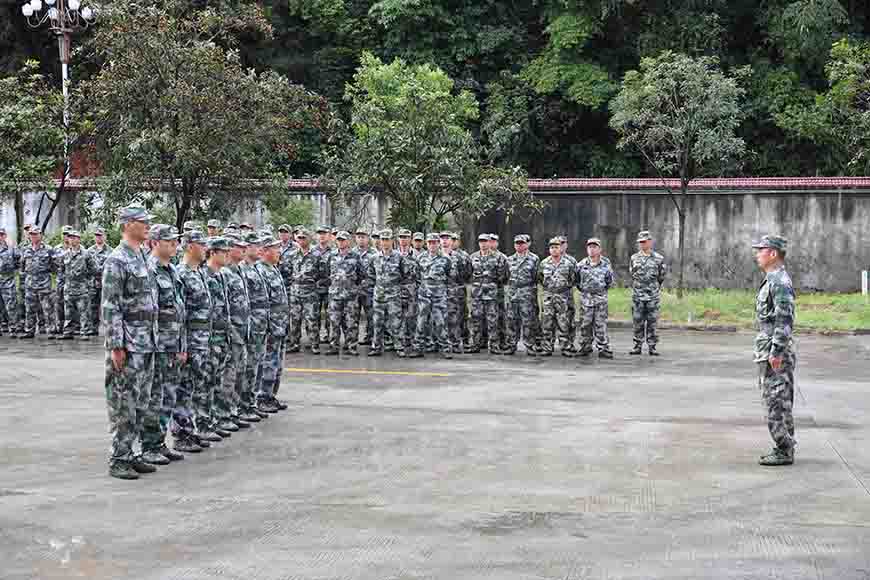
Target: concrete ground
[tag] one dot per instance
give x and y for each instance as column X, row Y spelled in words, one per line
column 480, row 467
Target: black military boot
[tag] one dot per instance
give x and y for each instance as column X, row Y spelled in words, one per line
column 122, row 470
column 652, row 351
column 777, row 457
column 187, row 445
column 635, row 350
column 331, row 351
column 605, row 354
column 140, row 466
column 154, row 457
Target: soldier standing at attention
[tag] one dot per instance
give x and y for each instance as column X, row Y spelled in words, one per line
column 213, row 228
column 285, row 266
column 434, row 272
column 367, row 286
column 457, row 277
column 98, row 253
column 647, row 269
column 279, row 310
column 37, row 265
column 389, row 270
column 130, row 319
column 557, row 277
column 572, row 307
column 258, row 295
column 484, row 296
column 594, row 279
column 77, row 270
column 417, row 242
column 321, row 251
column 774, row 347
column 504, row 275
column 60, row 283
column 304, row 295
column 408, row 295
column 522, row 298
column 219, row 342
column 10, row 260
column 345, row 272
column 170, row 355
column 240, row 319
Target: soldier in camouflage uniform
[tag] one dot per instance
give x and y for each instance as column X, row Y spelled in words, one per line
column 240, row 330
column 488, row 273
column 10, row 261
column 258, row 296
column 345, row 271
column 37, row 265
column 418, row 240
column 285, row 266
column 433, row 270
column 389, row 271
column 367, row 287
column 522, row 298
column 170, row 355
column 322, row 252
column 198, row 310
column 504, row 268
column 465, row 259
column 279, row 310
column 557, row 277
column 647, row 270
column 459, row 275
column 408, row 295
column 130, row 320
column 572, row 320
column 307, row 273
column 98, row 254
column 77, row 271
column 774, row 347
column 594, row 279
column 219, row 413
column 60, row 283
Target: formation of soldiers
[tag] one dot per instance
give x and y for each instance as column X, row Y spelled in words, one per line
column 197, row 324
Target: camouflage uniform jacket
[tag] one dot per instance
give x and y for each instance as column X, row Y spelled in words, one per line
column 489, row 272
column 368, row 282
column 98, row 259
column 322, row 253
column 171, row 316
column 460, row 271
column 60, row 252
column 279, row 308
column 37, row 266
column 556, row 277
column 239, row 302
column 129, row 301
column 258, row 296
column 220, row 306
column 10, row 261
column 647, row 274
column 307, row 270
column 345, row 274
column 523, row 273
column 197, row 301
column 594, row 280
column 775, row 313
column 285, row 264
column 77, row 271
column 389, row 271
column 409, row 286
column 433, row 271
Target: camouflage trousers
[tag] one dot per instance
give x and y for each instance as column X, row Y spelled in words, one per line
column 234, row 375
column 273, row 365
column 431, row 318
column 78, row 314
column 555, row 321
column 9, row 300
column 502, row 319
column 305, row 311
column 344, row 319
column 322, row 308
column 60, row 314
column 457, row 307
column 409, row 314
column 128, row 392
column 777, row 392
column 163, row 403
column 39, row 303
column 367, row 309
column 484, row 322
column 594, row 325
column 388, row 317
column 522, row 318
column 572, row 320
column 645, row 316
column 219, row 398
column 195, row 381
column 96, row 296
column 256, row 348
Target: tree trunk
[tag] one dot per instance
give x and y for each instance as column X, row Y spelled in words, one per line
column 681, row 216
column 182, row 209
column 19, row 214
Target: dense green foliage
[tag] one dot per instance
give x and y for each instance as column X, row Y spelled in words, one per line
column 545, row 71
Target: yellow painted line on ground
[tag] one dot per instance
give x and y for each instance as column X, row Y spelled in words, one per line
column 366, row 372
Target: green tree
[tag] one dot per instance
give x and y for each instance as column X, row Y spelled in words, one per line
column 681, row 114
column 408, row 140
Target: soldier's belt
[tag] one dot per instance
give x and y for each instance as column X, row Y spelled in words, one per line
column 219, row 326
column 259, row 305
column 280, row 308
column 7, row 275
column 518, row 286
column 304, row 286
column 167, row 317
column 199, row 325
column 139, row 317
column 566, row 290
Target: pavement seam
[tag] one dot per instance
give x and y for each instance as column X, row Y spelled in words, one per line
column 849, row 468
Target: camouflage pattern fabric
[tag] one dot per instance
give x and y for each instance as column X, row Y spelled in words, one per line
column 60, row 282
column 258, row 295
column 270, row 377
column 219, row 395
column 647, row 274
column 522, row 301
column 10, row 261
column 307, row 273
column 240, row 317
column 366, row 292
column 457, row 296
column 98, row 259
column 345, row 276
column 433, row 272
column 557, row 279
column 77, row 271
column 198, row 310
column 389, row 271
column 408, row 296
column 488, row 273
column 37, row 266
column 321, row 305
column 593, row 282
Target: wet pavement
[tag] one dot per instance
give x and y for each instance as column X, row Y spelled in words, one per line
column 480, row 467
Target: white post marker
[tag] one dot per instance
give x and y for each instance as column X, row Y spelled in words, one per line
column 865, row 282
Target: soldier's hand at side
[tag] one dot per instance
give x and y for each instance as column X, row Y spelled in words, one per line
column 775, row 362
column 119, row 358
column 182, row 358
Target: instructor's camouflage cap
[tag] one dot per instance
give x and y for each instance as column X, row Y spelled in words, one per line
column 771, row 241
column 218, row 243
column 162, row 232
column 134, row 213
column 644, row 236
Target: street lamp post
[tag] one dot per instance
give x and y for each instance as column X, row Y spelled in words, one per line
column 66, row 17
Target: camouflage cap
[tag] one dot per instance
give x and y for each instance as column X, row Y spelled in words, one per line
column 361, row 231
column 194, row 237
column 454, row 236
column 3, row 231
column 444, row 234
column 27, row 227
column 521, row 239
column 252, row 239
column 188, row 225
column 386, row 234
column 483, row 237
column 232, row 226
column 74, row 234
column 376, row 235
column 595, row 241
column 404, row 233
column 264, row 233
column 418, row 236
column 246, row 226
column 771, row 241
column 269, row 242
column 562, row 239
column 217, row 243
column 301, row 233
column 298, row 227
column 174, row 230
column 35, row 230
column 644, row 236
column 433, row 238
column 342, row 235
column 134, row 213
column 66, row 229
column 213, row 224
column 335, row 231
column 99, row 232
column 284, row 228
column 493, row 237
column 236, row 241
column 557, row 241
column 321, row 229
column 161, row 232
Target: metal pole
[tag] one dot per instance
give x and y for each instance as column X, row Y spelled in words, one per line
column 865, row 283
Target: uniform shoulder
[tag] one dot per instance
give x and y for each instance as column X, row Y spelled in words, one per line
column 779, row 279
column 658, row 256
column 636, row 255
